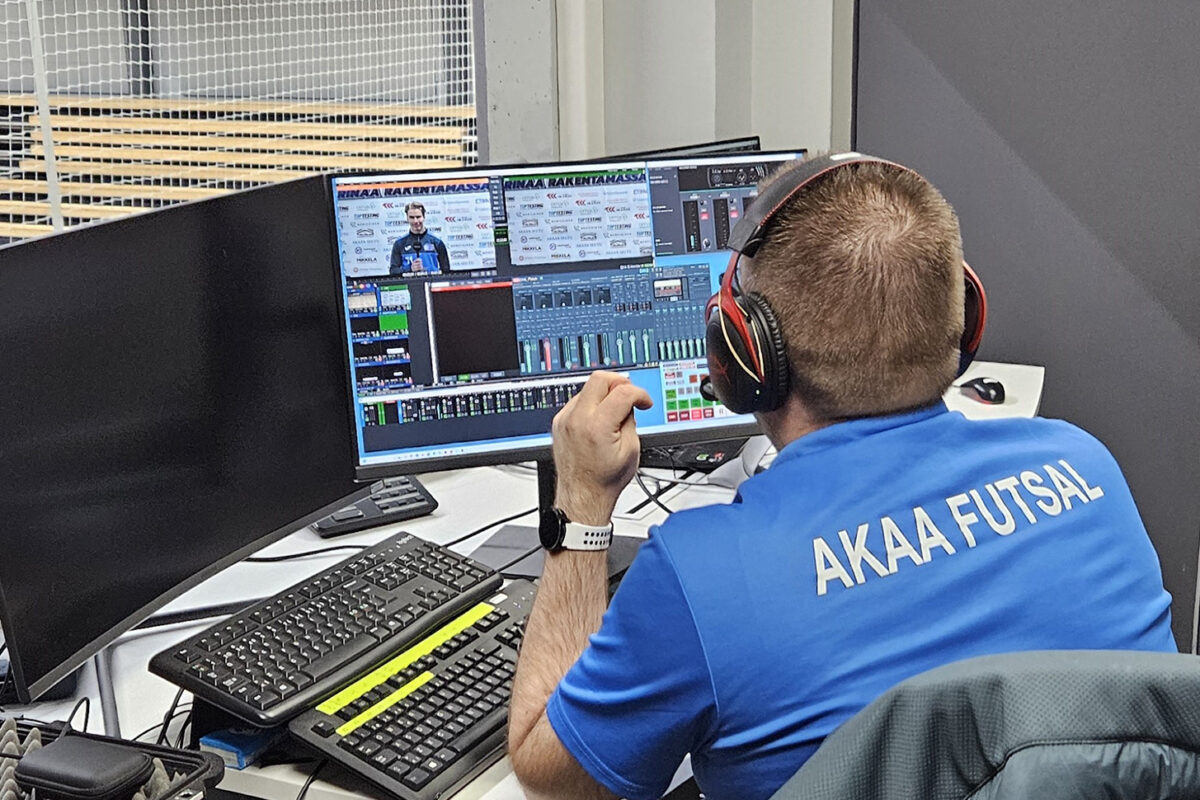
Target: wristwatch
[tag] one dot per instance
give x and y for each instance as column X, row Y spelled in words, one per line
column 559, row 533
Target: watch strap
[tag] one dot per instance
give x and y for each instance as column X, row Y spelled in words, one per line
column 577, row 536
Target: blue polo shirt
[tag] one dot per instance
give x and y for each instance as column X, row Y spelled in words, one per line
column 870, row 551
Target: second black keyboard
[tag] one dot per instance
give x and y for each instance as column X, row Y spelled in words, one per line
column 274, row 659
column 432, row 717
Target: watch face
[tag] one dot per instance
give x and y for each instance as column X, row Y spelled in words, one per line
column 552, row 528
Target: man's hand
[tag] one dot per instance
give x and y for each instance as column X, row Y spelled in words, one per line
column 596, row 446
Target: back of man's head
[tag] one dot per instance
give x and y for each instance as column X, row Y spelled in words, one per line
column 863, row 268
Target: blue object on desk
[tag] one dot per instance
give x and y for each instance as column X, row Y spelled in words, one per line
column 239, row 747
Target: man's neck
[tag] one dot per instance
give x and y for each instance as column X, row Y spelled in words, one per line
column 789, row 422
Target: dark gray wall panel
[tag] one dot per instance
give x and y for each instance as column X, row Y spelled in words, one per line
column 1066, row 135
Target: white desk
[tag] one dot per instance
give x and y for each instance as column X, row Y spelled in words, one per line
column 469, row 499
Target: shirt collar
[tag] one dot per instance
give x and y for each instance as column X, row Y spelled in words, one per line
column 854, row 429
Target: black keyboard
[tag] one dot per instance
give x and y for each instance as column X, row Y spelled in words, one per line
column 390, row 500
column 431, row 718
column 281, row 655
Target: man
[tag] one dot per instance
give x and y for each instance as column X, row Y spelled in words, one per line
column 420, row 250
column 888, row 537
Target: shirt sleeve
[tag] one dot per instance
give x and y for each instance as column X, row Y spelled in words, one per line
column 397, row 261
column 640, row 696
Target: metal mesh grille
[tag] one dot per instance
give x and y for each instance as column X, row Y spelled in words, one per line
column 115, row 106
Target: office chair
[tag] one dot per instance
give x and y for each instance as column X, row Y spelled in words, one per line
column 1045, row 725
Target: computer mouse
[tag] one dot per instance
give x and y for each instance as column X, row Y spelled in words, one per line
column 986, row 390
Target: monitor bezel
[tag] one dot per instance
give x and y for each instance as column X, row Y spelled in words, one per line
column 540, row 452
column 29, row 692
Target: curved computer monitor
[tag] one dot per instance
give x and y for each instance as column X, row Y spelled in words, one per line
column 476, row 302
column 173, row 398
column 741, row 144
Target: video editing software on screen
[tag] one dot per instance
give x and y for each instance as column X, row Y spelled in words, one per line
column 477, row 302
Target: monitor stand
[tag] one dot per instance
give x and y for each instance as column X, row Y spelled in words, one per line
column 515, row 551
column 108, row 697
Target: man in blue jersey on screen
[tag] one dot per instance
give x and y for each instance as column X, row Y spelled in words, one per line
column 419, row 251
column 889, row 536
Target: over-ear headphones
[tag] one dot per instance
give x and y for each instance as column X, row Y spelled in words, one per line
column 747, row 356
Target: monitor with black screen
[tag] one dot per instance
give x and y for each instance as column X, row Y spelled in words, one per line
column 173, row 398
column 551, row 272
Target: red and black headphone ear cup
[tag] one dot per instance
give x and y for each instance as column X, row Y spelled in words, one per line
column 732, row 357
column 974, row 318
column 772, row 352
column 730, row 383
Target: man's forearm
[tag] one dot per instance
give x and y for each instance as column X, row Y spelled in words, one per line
column 596, row 453
column 571, row 600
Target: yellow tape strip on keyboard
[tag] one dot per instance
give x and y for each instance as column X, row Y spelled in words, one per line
column 386, row 703
column 401, row 662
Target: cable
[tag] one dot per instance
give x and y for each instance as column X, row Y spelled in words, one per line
column 290, row 556
column 489, row 526
column 521, row 467
column 675, row 481
column 162, row 734
column 312, row 777
column 186, row 708
column 8, row 676
column 652, row 495
column 519, row 558
column 183, row 729
column 86, row 702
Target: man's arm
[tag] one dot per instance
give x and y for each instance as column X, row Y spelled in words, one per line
column 596, row 454
column 442, row 254
column 397, row 261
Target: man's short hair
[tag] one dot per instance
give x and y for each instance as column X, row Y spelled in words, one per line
column 416, row 205
column 863, row 268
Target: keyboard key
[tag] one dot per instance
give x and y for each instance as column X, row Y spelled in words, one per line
column 329, row 660
column 263, row 699
column 324, row 728
column 416, row 778
column 187, row 655
column 367, row 748
column 398, row 770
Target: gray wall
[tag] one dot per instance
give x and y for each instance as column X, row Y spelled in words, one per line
column 518, row 81
column 1065, row 135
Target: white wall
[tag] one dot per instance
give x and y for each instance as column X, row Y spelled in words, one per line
column 681, row 71
column 659, row 76
column 792, row 82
